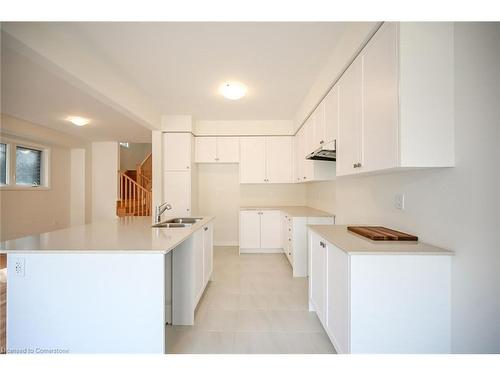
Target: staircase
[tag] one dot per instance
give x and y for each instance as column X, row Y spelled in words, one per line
column 134, row 195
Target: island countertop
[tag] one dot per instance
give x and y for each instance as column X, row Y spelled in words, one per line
column 127, row 234
column 352, row 243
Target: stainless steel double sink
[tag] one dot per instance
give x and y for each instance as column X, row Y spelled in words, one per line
column 178, row 222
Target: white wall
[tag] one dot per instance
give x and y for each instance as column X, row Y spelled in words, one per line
column 220, row 194
column 105, row 164
column 456, row 208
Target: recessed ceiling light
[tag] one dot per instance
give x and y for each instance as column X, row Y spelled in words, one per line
column 78, row 121
column 233, row 90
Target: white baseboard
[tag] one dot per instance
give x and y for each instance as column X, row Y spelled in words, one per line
column 224, row 244
column 261, row 251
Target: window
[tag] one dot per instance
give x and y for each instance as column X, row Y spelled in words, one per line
column 23, row 165
column 3, row 163
column 28, row 166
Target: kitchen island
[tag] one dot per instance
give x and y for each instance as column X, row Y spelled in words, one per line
column 105, row 287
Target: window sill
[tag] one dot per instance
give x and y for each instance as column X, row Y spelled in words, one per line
column 23, row 188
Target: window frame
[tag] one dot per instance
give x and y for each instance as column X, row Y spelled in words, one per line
column 10, row 172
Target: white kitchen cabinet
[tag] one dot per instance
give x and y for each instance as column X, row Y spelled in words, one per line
column 270, row 229
column 177, row 151
column 331, row 118
column 260, row 231
column 337, row 312
column 252, row 160
column 217, row 149
column 205, row 149
column 295, row 241
column 299, row 155
column 309, row 170
column 396, row 101
column 380, row 101
column 350, row 107
column 376, row 303
column 250, row 229
column 198, row 261
column 266, row 159
column 279, row 160
column 177, row 192
column 192, row 268
column 319, row 126
column 208, row 253
column 309, row 135
column 317, row 276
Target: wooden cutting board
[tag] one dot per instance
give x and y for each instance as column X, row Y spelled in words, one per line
column 382, row 234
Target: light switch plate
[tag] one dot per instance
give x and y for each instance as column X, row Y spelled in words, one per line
column 399, row 201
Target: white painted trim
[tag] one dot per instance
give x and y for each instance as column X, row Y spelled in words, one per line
column 262, row 251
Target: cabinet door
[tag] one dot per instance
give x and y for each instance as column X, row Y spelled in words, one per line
column 177, row 192
column 176, row 151
column 350, row 100
column 205, row 149
column 228, row 149
column 317, row 276
column 250, row 229
column 300, row 155
column 319, row 125
column 380, row 101
column 337, row 309
column 270, row 230
column 253, row 160
column 198, row 264
column 309, row 135
column 208, row 253
column 332, row 114
column 279, row 159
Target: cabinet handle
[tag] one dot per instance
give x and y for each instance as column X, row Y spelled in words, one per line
column 216, row 159
column 321, row 142
column 357, row 165
column 322, row 244
column 205, row 229
column 187, row 167
column 187, row 209
column 304, row 177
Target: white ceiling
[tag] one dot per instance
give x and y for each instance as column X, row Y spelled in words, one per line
column 179, row 66
column 33, row 93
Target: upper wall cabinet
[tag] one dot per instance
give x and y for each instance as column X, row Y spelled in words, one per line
column 217, row 149
column 266, row 160
column 177, row 151
column 396, row 101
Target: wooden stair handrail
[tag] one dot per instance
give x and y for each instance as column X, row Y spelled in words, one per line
column 133, row 198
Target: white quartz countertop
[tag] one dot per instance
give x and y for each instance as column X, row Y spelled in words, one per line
column 128, row 234
column 352, row 243
column 294, row 211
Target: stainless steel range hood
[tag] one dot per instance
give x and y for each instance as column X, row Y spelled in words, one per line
column 327, row 152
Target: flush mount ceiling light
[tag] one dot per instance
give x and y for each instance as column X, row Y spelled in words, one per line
column 77, row 120
column 233, row 90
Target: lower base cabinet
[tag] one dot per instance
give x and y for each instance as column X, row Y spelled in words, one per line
column 295, row 240
column 380, row 303
column 260, row 231
column 195, row 258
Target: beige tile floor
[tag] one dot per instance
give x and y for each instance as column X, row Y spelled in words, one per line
column 254, row 305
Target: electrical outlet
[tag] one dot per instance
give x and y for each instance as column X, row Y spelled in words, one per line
column 19, row 264
column 399, row 201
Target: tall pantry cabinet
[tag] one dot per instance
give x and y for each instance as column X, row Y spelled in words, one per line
column 177, row 172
